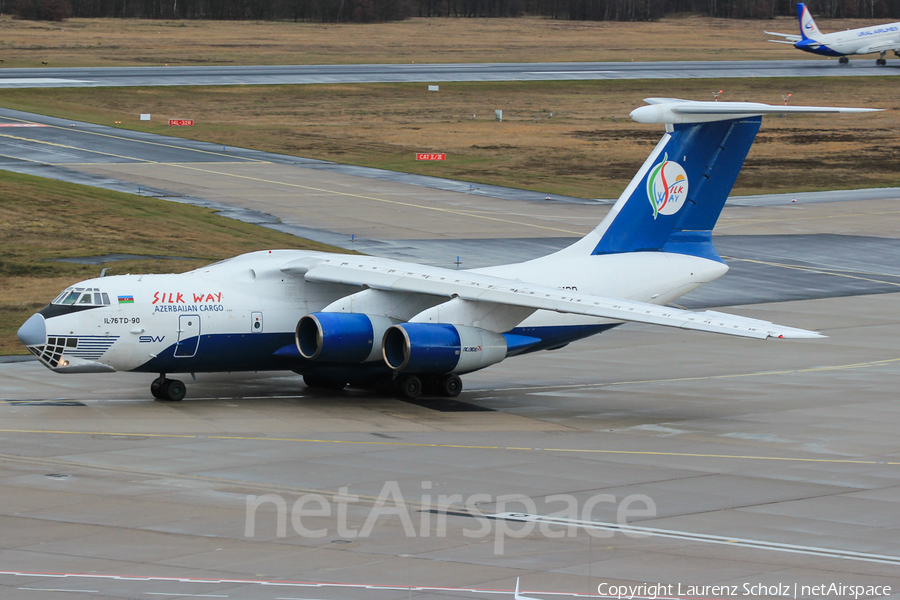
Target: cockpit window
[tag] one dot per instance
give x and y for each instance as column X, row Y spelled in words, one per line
column 82, row 297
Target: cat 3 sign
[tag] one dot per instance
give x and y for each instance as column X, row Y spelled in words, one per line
column 427, row 156
column 181, row 122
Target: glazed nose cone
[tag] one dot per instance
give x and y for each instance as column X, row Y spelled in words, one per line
column 33, row 332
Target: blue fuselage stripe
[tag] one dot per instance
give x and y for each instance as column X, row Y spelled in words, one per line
column 260, row 352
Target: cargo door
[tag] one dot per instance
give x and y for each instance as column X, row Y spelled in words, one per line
column 188, row 336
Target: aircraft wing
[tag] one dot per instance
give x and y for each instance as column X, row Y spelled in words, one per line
column 884, row 46
column 789, row 38
column 396, row 276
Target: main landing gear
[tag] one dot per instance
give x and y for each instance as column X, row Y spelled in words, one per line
column 843, row 60
column 171, row 390
column 881, row 61
column 410, row 387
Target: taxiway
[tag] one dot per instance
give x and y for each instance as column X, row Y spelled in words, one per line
column 433, row 73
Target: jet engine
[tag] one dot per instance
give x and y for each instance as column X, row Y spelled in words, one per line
column 441, row 348
column 341, row 337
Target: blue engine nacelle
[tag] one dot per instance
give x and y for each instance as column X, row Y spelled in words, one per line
column 441, row 348
column 341, row 337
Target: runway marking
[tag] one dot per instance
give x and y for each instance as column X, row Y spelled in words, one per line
column 822, row 270
column 23, row 125
column 67, row 147
column 286, row 583
column 37, row 162
column 59, row 590
column 862, row 365
column 479, row 447
column 186, row 595
column 365, row 498
column 382, row 200
column 73, row 464
column 39, row 80
column 142, row 161
column 636, row 530
column 726, row 222
column 152, row 162
column 128, row 139
column 569, row 72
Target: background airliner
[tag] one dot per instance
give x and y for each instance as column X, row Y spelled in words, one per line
column 403, row 328
column 865, row 40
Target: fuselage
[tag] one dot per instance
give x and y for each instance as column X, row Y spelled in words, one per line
column 241, row 314
column 852, row 41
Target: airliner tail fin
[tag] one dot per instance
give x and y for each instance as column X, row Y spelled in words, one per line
column 674, row 201
column 808, row 27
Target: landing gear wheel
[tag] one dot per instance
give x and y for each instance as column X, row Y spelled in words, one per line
column 323, row 383
column 409, row 387
column 173, row 390
column 844, row 60
column 881, row 62
column 156, row 387
column 450, row 385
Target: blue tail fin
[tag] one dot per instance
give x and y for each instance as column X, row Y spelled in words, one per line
column 677, row 196
column 674, row 201
column 808, row 27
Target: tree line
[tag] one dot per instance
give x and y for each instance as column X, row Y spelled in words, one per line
column 367, row 11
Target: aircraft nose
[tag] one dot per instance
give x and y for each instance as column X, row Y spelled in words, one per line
column 34, row 331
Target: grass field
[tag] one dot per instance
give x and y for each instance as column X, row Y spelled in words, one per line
column 588, row 148
column 118, row 42
column 44, row 219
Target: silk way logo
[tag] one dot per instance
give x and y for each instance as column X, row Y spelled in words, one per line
column 667, row 187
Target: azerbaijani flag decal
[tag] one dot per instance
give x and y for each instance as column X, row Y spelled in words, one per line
column 126, row 299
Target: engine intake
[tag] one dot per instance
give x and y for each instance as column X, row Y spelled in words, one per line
column 441, row 348
column 341, row 337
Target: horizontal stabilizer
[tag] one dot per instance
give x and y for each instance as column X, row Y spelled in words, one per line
column 395, row 276
column 672, row 110
column 788, row 36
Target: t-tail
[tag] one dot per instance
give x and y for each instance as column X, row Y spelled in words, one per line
column 674, row 201
column 808, row 27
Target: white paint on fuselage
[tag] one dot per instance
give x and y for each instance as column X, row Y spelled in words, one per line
column 224, row 296
column 858, row 41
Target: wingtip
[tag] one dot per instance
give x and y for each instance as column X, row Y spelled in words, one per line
column 800, row 335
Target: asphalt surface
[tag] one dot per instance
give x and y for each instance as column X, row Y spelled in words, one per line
column 432, row 73
column 768, row 463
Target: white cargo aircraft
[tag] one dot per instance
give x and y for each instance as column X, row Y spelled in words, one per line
column 865, row 40
column 404, row 328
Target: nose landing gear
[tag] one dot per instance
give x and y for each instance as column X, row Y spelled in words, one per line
column 170, row 390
